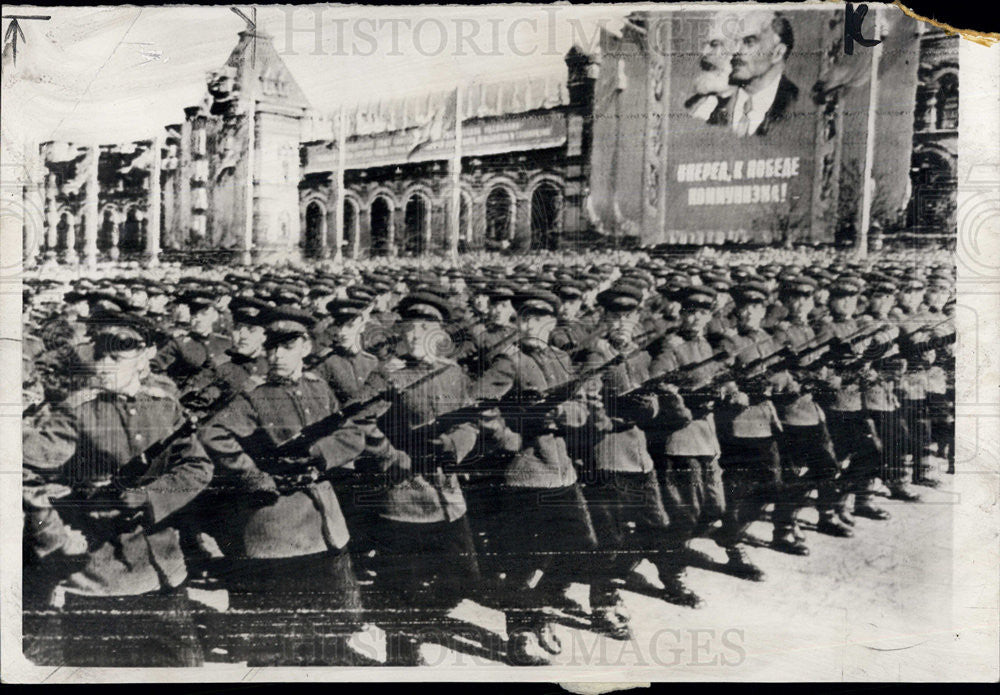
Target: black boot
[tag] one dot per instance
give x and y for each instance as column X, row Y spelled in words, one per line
column 788, row 542
column 831, row 526
column 612, row 620
column 739, row 565
column 676, row 592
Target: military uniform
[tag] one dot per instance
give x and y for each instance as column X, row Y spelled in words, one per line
column 285, row 546
column 620, row 484
column 540, row 487
column 126, row 511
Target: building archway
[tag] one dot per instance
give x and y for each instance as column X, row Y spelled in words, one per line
column 132, row 235
column 546, row 213
column 946, row 107
column 315, row 231
column 106, row 232
column 499, row 216
column 380, row 216
column 351, row 228
column 63, row 227
column 933, row 196
column 416, row 224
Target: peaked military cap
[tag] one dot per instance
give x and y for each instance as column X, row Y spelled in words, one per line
column 284, row 323
column 425, row 306
column 750, row 293
column 346, row 310
column 536, row 301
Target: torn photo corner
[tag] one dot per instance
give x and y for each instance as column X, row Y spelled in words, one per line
column 600, row 345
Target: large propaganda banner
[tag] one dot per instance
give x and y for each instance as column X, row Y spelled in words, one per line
column 741, row 124
column 751, row 120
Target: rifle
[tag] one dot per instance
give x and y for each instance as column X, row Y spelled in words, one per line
column 95, row 507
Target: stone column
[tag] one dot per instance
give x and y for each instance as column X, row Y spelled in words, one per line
column 70, row 255
column 153, row 206
column 51, row 215
column 90, row 207
column 116, row 235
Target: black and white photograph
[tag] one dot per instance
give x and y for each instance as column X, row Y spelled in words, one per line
column 499, row 343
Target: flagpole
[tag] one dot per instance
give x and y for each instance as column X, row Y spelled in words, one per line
column 456, row 180
column 338, row 222
column 866, row 181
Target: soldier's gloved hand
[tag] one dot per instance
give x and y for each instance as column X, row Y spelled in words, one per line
column 568, row 414
column 443, row 452
column 75, row 543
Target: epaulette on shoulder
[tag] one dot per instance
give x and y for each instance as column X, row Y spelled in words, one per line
column 311, row 376
column 78, row 398
column 155, row 391
column 393, row 364
column 673, row 340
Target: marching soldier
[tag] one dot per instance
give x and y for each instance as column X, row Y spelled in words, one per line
column 423, row 535
column 90, row 491
column 748, row 428
column 686, row 448
column 200, row 348
column 554, row 534
column 806, row 449
column 284, row 537
column 620, row 484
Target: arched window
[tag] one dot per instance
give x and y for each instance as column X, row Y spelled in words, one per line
column 546, row 204
column 416, row 223
column 106, row 232
column 350, row 227
column 499, row 215
column 131, row 240
column 315, row 229
column 62, row 231
column 947, row 102
column 381, row 225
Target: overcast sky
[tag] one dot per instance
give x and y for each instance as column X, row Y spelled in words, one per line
column 121, row 73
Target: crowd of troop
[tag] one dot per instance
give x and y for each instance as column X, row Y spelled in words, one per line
column 372, row 444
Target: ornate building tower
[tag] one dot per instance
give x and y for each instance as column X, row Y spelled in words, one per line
column 237, row 159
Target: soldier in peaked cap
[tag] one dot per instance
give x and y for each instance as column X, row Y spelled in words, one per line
column 539, row 480
column 423, row 535
column 748, row 430
column 620, row 484
column 684, row 444
column 245, row 363
column 123, row 532
column 573, row 329
column 200, row 347
column 285, row 538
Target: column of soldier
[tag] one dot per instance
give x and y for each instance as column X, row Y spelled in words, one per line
column 376, row 444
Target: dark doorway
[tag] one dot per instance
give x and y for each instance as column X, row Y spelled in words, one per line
column 415, row 225
column 315, row 228
column 381, row 222
column 545, row 204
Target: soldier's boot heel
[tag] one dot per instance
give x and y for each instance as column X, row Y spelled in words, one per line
column 676, row 592
column 903, row 493
column 612, row 620
column 739, row 565
column 524, row 648
column 831, row 526
column 864, row 508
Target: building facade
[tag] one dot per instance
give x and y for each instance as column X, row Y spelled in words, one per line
column 255, row 172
